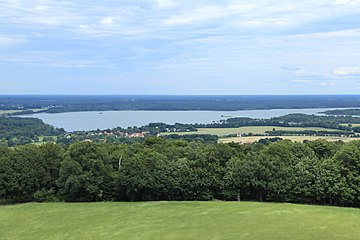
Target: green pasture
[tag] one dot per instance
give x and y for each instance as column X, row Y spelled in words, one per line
column 8, row 111
column 20, row 110
column 177, row 220
column 352, row 124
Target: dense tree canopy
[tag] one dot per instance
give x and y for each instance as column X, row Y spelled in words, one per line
column 316, row 172
column 19, row 131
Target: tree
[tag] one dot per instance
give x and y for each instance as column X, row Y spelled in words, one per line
column 323, row 148
column 349, row 158
column 83, row 175
column 140, row 176
column 22, row 173
column 247, row 177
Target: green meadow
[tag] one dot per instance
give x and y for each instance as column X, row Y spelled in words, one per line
column 35, row 110
column 177, row 220
column 353, row 125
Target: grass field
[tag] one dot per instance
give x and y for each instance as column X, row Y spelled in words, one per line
column 14, row 111
column 292, row 138
column 41, row 140
column 246, row 130
column 353, row 125
column 8, row 111
column 178, row 220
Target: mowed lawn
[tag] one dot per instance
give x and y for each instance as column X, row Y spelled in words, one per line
column 178, row 220
column 292, row 138
column 250, row 129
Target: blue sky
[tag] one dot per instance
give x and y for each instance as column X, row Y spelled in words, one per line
column 180, row 47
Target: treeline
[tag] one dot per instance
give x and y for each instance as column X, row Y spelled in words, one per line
column 62, row 103
column 316, row 172
column 290, row 120
column 203, row 138
column 343, row 112
column 19, row 131
column 309, row 133
column 155, row 128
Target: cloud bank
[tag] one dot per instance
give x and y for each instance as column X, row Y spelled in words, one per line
column 180, row 47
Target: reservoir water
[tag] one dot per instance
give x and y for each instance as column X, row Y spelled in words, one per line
column 74, row 121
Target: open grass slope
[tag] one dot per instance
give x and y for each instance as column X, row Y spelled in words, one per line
column 292, row 138
column 250, row 129
column 178, row 220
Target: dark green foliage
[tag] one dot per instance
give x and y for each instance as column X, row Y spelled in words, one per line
column 344, row 112
column 28, row 169
column 290, row 120
column 349, row 158
column 204, row 138
column 19, row 131
column 83, row 174
column 323, row 148
column 44, row 195
column 316, row 172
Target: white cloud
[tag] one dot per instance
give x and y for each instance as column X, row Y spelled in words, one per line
column 47, row 13
column 166, row 3
column 267, row 21
column 74, row 64
column 301, row 81
column 330, row 34
column 107, row 20
column 208, row 12
column 346, row 71
column 331, row 83
column 345, row 2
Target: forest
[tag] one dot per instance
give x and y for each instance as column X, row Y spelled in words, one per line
column 314, row 172
column 68, row 103
column 344, row 112
column 291, row 120
column 19, row 131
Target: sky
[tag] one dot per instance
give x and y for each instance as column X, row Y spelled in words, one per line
column 180, row 47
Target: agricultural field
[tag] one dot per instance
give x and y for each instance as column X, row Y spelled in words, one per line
column 35, row 110
column 246, row 130
column 353, row 125
column 177, row 220
column 9, row 111
column 292, row 138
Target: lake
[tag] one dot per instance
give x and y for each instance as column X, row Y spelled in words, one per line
column 74, row 121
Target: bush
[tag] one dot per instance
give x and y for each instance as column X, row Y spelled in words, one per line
column 45, row 195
